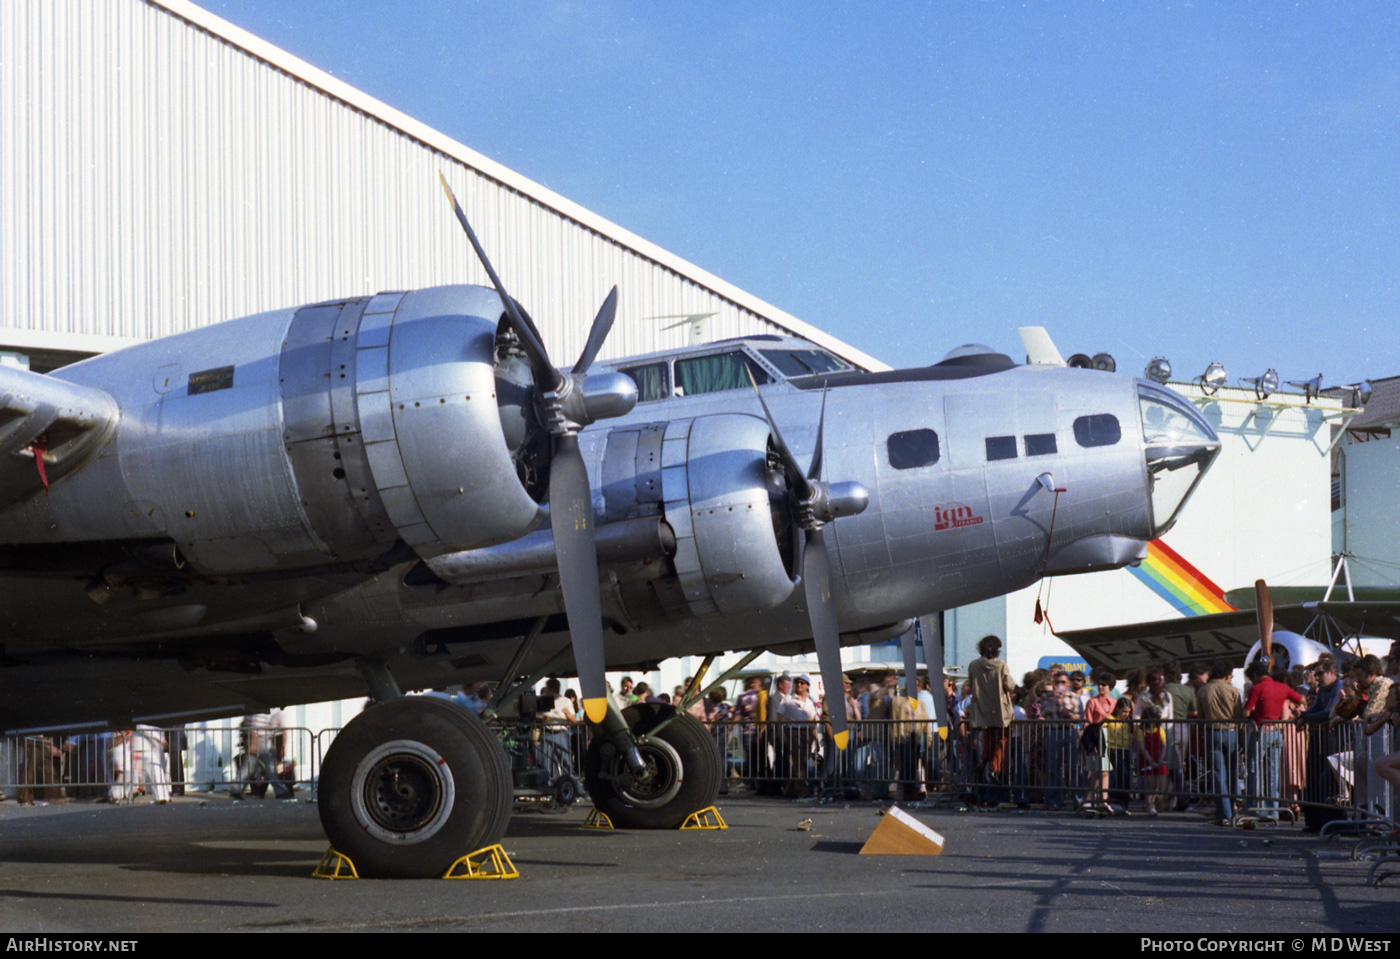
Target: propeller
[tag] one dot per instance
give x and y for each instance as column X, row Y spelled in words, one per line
column 1264, row 612
column 564, row 407
column 818, row 503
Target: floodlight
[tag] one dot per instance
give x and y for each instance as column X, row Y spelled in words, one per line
column 1360, row 393
column 1212, row 379
column 1263, row 385
column 1159, row 370
column 1080, row 362
column 1310, row 387
column 1104, row 362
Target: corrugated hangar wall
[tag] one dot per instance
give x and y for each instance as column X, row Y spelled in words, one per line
column 161, row 169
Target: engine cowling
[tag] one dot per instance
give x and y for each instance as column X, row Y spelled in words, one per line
column 309, row 437
column 412, row 440
column 708, row 477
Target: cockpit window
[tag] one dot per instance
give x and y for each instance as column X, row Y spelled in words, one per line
column 1100, row 429
column 912, row 448
column 653, row 381
column 803, row 362
column 711, row 374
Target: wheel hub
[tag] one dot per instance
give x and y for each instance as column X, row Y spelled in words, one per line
column 403, row 792
column 660, row 780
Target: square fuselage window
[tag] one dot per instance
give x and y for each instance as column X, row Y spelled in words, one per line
column 1001, row 447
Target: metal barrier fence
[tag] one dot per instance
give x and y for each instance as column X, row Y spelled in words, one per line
column 1316, row 772
column 123, row 764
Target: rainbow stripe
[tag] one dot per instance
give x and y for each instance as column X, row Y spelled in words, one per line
column 1171, row 577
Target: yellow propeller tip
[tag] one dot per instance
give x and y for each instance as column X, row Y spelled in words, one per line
column 840, row 738
column 595, row 709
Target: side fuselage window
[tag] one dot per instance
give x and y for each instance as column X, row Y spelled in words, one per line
column 653, row 381
column 1040, row 444
column 1001, row 447
column 912, row 448
column 1100, row 429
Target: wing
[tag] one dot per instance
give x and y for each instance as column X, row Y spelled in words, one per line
column 1229, row 636
column 1187, row 640
column 48, row 428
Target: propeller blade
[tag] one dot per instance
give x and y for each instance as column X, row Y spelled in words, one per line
column 911, row 664
column 933, row 658
column 814, row 472
column 1264, row 612
column 794, row 471
column 816, row 578
column 571, row 515
column 602, row 323
column 545, row 373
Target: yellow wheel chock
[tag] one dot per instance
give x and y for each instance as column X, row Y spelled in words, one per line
column 335, row 865
column 490, row 862
column 707, row 818
column 597, row 819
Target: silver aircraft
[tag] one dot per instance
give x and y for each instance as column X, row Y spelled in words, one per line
column 402, row 492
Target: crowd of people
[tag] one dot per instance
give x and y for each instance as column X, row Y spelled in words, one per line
column 1310, row 740
column 1306, row 739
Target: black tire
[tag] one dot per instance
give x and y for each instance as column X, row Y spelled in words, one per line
column 686, row 766
column 411, row 785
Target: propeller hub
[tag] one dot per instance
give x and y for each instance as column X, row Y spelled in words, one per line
column 831, row 501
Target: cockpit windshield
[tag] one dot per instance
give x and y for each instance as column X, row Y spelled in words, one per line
column 804, row 362
column 1180, row 447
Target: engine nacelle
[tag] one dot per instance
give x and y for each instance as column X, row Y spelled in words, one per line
column 304, row 438
column 708, row 477
column 412, row 441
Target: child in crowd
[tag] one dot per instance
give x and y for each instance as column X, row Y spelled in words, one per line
column 1150, row 752
column 1120, row 743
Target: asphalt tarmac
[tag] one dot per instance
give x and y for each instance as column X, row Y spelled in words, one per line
column 207, row 864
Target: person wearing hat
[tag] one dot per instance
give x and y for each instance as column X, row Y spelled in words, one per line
column 782, row 692
column 798, row 715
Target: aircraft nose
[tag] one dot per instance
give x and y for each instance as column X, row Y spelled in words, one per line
column 1179, row 445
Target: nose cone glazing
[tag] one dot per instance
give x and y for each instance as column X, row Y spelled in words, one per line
column 1180, row 446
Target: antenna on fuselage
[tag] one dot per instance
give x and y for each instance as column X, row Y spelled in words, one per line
column 699, row 329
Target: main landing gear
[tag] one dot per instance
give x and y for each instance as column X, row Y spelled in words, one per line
column 412, row 784
column 680, row 771
column 415, row 782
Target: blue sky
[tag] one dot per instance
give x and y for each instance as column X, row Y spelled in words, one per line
column 1205, row 181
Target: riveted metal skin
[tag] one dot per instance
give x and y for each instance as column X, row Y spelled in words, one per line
column 731, row 522
column 432, row 432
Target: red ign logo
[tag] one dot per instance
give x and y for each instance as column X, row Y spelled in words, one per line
column 954, row 516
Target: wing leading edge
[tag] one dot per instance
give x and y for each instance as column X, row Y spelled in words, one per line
column 48, row 428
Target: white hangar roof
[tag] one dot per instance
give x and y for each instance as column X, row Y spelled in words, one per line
column 162, row 169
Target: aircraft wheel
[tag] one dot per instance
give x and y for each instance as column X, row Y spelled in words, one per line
column 683, row 772
column 412, row 784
